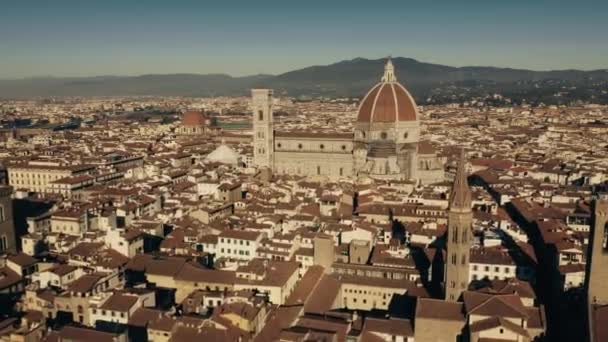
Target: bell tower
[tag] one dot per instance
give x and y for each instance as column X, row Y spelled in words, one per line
column 263, row 130
column 460, row 223
column 597, row 263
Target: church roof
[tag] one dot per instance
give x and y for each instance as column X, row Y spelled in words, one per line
column 193, row 118
column 224, row 154
column 387, row 101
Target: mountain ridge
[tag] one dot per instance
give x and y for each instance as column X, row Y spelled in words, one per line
column 350, row 78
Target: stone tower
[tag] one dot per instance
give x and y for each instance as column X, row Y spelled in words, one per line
column 460, row 221
column 597, row 255
column 263, row 130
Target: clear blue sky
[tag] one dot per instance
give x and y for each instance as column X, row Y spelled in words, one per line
column 132, row 37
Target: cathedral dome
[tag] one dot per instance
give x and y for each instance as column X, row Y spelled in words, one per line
column 194, row 118
column 387, row 101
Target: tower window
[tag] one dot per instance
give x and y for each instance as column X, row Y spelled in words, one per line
column 405, row 135
column 343, row 147
column 279, row 145
column 300, row 146
column 318, row 170
column 261, row 115
column 322, row 146
column 383, row 135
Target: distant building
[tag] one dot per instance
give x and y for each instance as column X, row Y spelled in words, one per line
column 38, row 176
column 7, row 226
column 384, row 145
column 193, row 123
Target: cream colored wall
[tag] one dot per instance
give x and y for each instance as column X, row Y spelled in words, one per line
column 69, row 227
column 374, row 296
column 309, row 163
column 161, row 281
column 495, row 333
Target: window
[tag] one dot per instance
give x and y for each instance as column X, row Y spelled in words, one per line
column 260, row 115
column 454, row 259
column 383, row 135
column 343, row 147
column 321, row 146
column 300, row 146
column 405, row 135
column 341, row 172
column 279, row 145
column 2, row 213
column 455, row 235
column 318, row 170
column 3, row 243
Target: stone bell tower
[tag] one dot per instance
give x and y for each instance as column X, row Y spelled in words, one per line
column 460, row 224
column 263, row 130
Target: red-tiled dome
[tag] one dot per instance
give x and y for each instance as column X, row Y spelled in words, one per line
column 387, row 101
column 194, row 118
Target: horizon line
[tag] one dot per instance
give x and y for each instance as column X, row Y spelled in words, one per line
column 305, row 67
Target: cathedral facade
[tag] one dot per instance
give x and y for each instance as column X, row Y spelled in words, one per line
column 385, row 143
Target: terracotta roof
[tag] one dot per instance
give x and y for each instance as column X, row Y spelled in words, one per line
column 439, row 310
column 387, row 101
column 193, row 118
column 119, row 302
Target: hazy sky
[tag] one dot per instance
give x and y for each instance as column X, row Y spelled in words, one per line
column 131, row 37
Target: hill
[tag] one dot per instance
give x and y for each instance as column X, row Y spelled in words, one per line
column 427, row 82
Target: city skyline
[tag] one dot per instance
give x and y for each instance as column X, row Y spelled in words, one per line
column 70, row 39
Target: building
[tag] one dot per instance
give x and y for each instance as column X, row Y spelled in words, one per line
column 37, row 175
column 7, row 226
column 460, row 220
column 193, row 123
column 238, row 244
column 323, row 251
column 597, row 269
column 384, row 144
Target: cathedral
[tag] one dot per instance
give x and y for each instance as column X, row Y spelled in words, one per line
column 385, row 143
